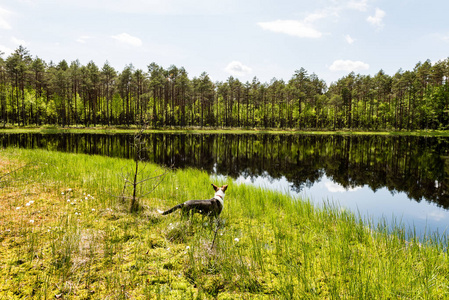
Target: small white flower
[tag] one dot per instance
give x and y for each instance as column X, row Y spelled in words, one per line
column 236, row 240
column 76, row 213
column 68, row 200
column 168, row 249
column 18, row 207
column 28, row 204
column 176, row 187
column 31, row 221
column 93, row 209
column 62, row 193
column 69, row 189
column 85, row 198
column 188, row 247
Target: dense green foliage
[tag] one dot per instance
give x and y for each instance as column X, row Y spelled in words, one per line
column 35, row 92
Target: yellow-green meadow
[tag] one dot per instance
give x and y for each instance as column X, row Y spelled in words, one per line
column 66, row 233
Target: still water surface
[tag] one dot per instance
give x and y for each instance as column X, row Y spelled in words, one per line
column 405, row 178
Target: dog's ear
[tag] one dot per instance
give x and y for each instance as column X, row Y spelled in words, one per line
column 215, row 187
column 224, row 188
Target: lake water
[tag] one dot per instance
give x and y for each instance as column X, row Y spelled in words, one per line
column 405, row 178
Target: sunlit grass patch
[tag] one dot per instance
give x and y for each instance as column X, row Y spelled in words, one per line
column 65, row 233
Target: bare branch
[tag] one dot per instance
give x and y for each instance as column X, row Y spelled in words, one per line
column 138, row 176
column 11, row 172
column 152, row 189
column 154, row 177
column 3, row 176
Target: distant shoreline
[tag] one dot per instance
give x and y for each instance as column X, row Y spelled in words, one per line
column 210, row 130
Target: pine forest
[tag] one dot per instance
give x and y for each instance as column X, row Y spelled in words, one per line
column 34, row 92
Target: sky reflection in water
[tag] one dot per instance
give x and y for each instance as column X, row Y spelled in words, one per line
column 424, row 216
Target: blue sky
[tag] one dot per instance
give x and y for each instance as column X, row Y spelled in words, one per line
column 242, row 38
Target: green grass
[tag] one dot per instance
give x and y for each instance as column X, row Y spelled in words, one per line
column 76, row 240
column 208, row 130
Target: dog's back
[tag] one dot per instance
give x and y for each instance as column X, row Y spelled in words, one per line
column 211, row 207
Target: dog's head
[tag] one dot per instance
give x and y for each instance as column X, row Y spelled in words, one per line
column 222, row 188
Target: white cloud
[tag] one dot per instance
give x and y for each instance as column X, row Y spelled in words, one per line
column 435, row 215
column 19, row 42
column 315, row 16
column 358, row 5
column 348, row 65
column 443, row 37
column 291, row 27
column 7, row 51
column 125, row 38
column 440, row 36
column 4, row 24
column 236, row 68
column 305, row 28
column 377, row 19
column 83, row 39
column 349, row 39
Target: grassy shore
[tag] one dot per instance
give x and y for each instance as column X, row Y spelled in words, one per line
column 65, row 235
column 208, row 130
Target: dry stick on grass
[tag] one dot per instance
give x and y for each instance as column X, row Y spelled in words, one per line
column 215, row 232
column 9, row 174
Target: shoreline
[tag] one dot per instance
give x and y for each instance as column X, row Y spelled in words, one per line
column 198, row 130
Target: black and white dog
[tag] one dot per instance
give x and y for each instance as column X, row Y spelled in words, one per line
column 211, row 207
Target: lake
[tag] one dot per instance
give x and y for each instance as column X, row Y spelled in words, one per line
column 405, row 178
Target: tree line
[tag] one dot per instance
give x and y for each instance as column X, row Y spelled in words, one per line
column 33, row 92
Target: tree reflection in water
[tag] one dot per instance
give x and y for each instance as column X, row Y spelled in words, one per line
column 416, row 166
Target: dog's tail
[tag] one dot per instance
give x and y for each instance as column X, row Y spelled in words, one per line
column 171, row 209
